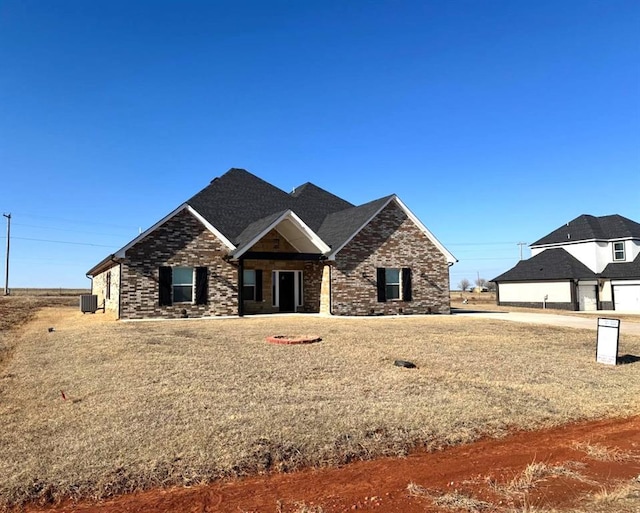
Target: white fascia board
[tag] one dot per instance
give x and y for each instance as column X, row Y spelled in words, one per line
column 299, row 223
column 569, row 242
column 450, row 258
column 121, row 252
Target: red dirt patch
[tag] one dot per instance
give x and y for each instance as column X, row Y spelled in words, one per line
column 480, row 470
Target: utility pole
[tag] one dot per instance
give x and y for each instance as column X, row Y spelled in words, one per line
column 6, row 275
column 521, row 244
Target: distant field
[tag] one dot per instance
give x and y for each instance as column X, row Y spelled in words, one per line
column 98, row 408
column 47, row 292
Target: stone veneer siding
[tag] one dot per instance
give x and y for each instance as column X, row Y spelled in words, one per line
column 274, row 242
column 181, row 241
column 391, row 239
column 99, row 288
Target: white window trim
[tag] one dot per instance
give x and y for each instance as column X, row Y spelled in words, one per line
column 624, row 252
column 298, row 285
column 193, row 285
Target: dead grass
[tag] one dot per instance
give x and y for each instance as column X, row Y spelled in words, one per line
column 455, row 500
column 185, row 402
column 622, row 498
column 602, row 453
column 535, row 473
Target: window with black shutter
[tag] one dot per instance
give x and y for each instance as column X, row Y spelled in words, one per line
column 393, row 283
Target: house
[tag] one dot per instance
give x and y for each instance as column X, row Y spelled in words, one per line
column 243, row 246
column 590, row 263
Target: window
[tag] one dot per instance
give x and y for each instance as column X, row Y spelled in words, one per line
column 182, row 284
column 252, row 285
column 618, row 251
column 249, row 284
column 107, row 293
column 394, row 284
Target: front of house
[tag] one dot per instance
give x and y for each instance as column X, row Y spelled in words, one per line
column 591, row 263
column 242, row 246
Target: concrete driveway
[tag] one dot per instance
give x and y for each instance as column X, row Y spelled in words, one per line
column 568, row 321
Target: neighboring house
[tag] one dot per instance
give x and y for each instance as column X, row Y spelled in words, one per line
column 242, row 246
column 591, row 263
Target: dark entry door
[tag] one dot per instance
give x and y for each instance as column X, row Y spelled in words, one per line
column 287, row 296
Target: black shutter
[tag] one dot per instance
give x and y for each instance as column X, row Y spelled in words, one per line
column 165, row 280
column 202, row 285
column 382, row 284
column 258, row 284
column 406, row 284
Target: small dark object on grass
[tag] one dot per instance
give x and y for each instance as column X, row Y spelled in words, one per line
column 405, row 364
column 64, row 397
column 51, row 330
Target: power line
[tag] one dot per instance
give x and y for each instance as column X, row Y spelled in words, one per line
column 63, row 242
column 93, row 232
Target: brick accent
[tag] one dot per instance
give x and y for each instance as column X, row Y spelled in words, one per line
column 391, row 239
column 181, row 241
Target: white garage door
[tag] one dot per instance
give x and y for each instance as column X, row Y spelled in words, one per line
column 587, row 297
column 627, row 297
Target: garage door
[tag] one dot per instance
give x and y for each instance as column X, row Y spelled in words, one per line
column 627, row 297
column 587, row 297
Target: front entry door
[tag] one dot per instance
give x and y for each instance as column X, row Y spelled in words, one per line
column 287, row 291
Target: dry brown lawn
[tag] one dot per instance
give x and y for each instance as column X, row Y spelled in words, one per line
column 182, row 402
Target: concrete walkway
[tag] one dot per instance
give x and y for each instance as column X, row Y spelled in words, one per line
column 567, row 321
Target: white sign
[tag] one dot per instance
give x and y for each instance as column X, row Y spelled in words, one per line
column 608, row 337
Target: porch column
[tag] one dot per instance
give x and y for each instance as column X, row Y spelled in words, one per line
column 240, row 286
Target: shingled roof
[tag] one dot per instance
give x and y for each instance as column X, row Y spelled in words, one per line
column 587, row 227
column 551, row 264
column 240, row 205
column 628, row 270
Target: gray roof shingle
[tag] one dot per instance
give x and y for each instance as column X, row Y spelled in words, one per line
column 339, row 227
column 628, row 270
column 240, row 205
column 551, row 264
column 587, row 227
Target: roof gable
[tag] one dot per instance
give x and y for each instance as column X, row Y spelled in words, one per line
column 588, row 227
column 343, row 226
column 292, row 228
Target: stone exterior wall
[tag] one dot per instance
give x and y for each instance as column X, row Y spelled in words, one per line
column 389, row 240
column 108, row 295
column 181, row 241
column 325, row 290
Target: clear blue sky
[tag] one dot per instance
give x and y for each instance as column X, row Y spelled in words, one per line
column 494, row 121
